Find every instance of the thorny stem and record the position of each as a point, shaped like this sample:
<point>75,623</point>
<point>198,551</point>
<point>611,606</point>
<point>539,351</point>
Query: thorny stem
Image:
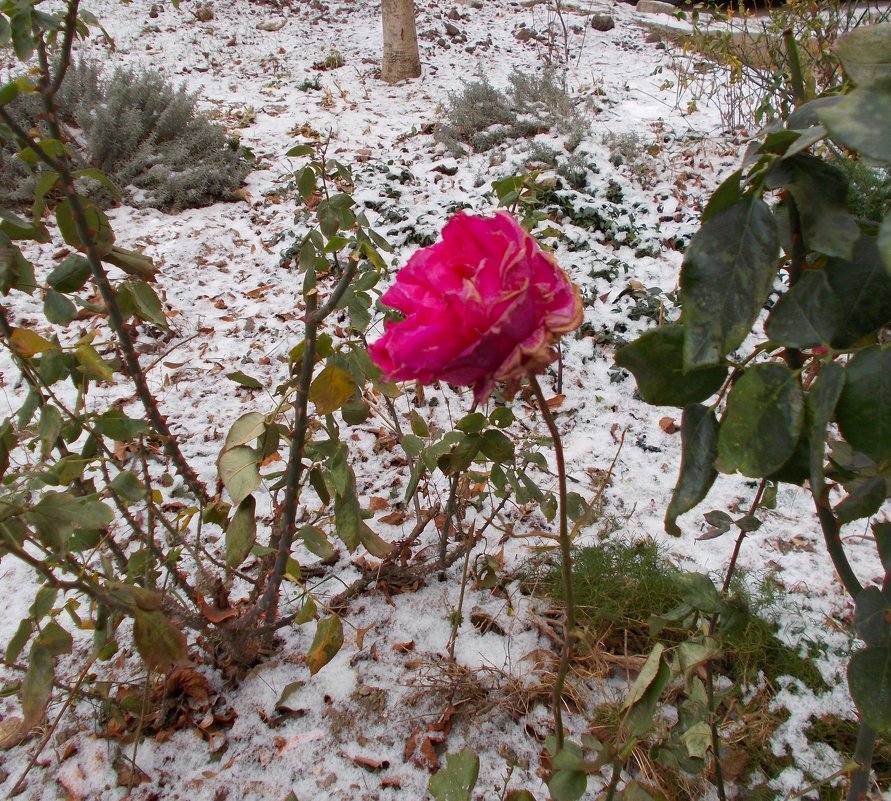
<point>459,610</point>
<point>283,538</point>
<point>566,563</point>
<point>614,781</point>
<point>447,524</point>
<point>863,750</point>
<point>832,537</point>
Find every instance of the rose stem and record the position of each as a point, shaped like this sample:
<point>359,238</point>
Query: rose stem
<point>566,560</point>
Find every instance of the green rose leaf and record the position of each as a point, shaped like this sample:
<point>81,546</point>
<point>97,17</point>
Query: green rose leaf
<point>727,274</point>
<point>57,308</point>
<point>865,499</point>
<point>869,679</point>
<point>325,644</point>
<point>244,380</point>
<point>864,408</point>
<point>496,446</point>
<point>239,471</point>
<point>871,617</point>
<point>70,274</point>
<point>806,315</point>
<point>98,226</point>
<point>656,359</point>
<point>568,785</point>
<point>863,291</point>
<point>455,782</point>
<point>128,486</point>
<point>331,388</point>
<point>699,449</point>
<point>146,303</point>
<point>762,423</point>
<point>37,686</point>
<point>116,425</point>
<point>861,121</point>
<point>643,699</point>
<point>16,272</point>
<point>820,404</point>
<point>820,191</point>
<point>241,533</point>
<point>316,542</point>
<point>348,515</point>
<point>865,53</point>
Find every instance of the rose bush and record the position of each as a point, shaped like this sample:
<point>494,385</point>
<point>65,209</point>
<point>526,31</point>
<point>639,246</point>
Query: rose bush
<point>485,304</point>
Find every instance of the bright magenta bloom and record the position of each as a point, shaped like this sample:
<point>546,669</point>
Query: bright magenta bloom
<point>485,304</point>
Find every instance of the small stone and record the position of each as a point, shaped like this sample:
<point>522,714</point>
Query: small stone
<point>454,14</point>
<point>154,11</point>
<point>452,30</point>
<point>603,22</point>
<point>652,37</point>
<point>654,7</point>
<point>525,34</point>
<point>446,167</point>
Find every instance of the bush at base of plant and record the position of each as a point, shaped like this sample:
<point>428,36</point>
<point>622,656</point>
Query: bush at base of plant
<point>145,134</point>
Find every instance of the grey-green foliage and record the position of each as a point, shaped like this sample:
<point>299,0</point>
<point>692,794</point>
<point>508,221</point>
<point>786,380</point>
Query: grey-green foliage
<point>483,117</point>
<point>142,132</point>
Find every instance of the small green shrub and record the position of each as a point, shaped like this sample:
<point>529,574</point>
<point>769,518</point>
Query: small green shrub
<point>142,132</point>
<point>619,587</point>
<point>483,117</point>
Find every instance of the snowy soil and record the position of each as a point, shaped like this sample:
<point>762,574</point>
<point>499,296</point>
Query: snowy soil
<point>234,305</point>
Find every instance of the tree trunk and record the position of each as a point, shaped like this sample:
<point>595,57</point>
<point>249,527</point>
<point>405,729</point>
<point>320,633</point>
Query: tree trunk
<point>401,57</point>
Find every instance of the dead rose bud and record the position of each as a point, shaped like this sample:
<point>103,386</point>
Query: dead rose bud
<point>485,304</point>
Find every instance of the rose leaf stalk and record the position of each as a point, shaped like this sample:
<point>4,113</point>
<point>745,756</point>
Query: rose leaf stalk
<point>565,562</point>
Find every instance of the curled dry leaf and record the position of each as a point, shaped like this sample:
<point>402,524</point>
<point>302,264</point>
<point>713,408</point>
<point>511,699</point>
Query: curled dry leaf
<point>668,425</point>
<point>11,733</point>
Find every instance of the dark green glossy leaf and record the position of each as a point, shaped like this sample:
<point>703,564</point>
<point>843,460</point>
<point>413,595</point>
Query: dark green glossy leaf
<point>882,532</point>
<point>863,292</point>
<point>355,411</point>
<point>869,679</point>
<point>864,408</point>
<point>820,191</point>
<point>762,422</point>
<point>821,401</point>
<point>872,617</point>
<point>16,228</point>
<point>699,591</point>
<point>656,359</point>
<point>461,456</point>
<point>17,642</point>
<point>699,449</point>
<point>455,782</point>
<point>326,643</point>
<point>726,277</point>
<point>861,121</point>
<point>728,194</point>
<point>865,499</point>
<point>806,315</point>
<point>241,533</point>
<point>21,32</point>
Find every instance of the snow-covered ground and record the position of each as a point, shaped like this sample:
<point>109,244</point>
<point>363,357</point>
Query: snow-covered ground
<point>234,306</point>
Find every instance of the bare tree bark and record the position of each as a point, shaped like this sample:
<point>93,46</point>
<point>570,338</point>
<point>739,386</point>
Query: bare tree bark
<point>401,57</point>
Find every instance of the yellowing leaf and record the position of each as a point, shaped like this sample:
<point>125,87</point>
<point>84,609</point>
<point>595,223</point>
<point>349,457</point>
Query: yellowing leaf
<point>161,644</point>
<point>239,472</point>
<point>326,643</point>
<point>241,533</point>
<point>28,343</point>
<point>331,389</point>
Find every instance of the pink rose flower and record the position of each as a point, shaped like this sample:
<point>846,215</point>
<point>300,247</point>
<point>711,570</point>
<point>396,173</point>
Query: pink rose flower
<point>485,304</point>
